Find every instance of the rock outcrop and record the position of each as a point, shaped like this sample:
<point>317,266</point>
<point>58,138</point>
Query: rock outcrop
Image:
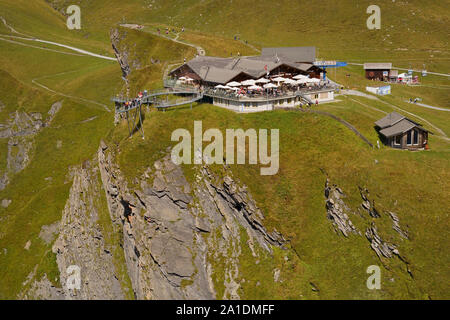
<point>121,55</point>
<point>43,289</point>
<point>338,211</point>
<point>381,248</point>
<point>20,131</point>
<point>396,225</point>
<point>367,205</point>
<point>172,229</point>
<point>81,241</point>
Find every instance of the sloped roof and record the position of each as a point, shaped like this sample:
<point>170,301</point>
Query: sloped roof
<point>400,127</point>
<point>218,75</point>
<point>395,123</point>
<point>378,66</point>
<point>222,70</point>
<point>252,67</point>
<point>391,119</point>
<point>294,54</point>
<point>205,61</point>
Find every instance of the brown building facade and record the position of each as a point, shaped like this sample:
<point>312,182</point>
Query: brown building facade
<point>412,139</point>
<point>377,71</point>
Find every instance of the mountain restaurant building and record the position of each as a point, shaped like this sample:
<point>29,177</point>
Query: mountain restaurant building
<point>212,74</point>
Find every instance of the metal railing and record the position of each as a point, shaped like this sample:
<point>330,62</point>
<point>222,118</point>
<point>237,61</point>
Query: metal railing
<point>219,93</point>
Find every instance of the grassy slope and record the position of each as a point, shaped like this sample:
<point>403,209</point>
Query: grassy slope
<point>37,18</point>
<point>149,56</point>
<point>293,199</point>
<point>218,46</point>
<point>293,202</point>
<point>337,28</point>
<point>35,200</point>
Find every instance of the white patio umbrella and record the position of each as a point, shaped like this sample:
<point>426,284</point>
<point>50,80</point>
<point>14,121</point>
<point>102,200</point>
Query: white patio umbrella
<point>302,81</point>
<point>300,77</point>
<point>233,84</point>
<point>249,82</point>
<point>227,88</point>
<point>262,80</point>
<point>255,87</point>
<point>313,80</point>
<point>270,86</point>
<point>182,78</point>
<point>279,79</point>
<point>290,81</point>
<point>219,86</point>
<point>189,79</point>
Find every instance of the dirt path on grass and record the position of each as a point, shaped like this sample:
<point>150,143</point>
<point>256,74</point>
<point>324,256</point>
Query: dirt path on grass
<point>41,48</point>
<point>83,52</point>
<point>31,38</point>
<point>428,106</point>
<point>35,81</point>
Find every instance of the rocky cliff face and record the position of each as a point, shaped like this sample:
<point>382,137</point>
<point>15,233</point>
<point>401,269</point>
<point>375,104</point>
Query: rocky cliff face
<point>121,55</point>
<point>172,232</point>
<point>20,131</point>
<point>172,229</point>
<point>81,241</point>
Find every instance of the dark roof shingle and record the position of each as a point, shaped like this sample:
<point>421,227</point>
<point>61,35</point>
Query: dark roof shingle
<point>391,119</point>
<point>222,70</point>
<point>394,124</point>
<point>400,127</point>
<point>378,66</point>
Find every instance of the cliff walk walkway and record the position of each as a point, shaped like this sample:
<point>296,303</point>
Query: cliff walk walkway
<point>124,104</point>
<point>131,108</point>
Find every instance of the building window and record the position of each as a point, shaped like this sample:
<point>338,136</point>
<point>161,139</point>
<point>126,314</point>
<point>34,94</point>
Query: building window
<point>409,138</point>
<point>398,140</point>
<point>415,137</point>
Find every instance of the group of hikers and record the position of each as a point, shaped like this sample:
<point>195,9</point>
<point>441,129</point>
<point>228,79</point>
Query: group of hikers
<point>130,104</point>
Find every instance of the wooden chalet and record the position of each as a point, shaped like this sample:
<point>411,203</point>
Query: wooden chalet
<point>399,132</point>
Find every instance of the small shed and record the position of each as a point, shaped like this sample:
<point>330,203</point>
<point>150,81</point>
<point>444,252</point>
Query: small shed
<point>377,71</point>
<point>402,133</point>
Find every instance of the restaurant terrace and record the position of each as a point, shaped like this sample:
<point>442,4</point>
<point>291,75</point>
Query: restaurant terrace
<point>278,78</point>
